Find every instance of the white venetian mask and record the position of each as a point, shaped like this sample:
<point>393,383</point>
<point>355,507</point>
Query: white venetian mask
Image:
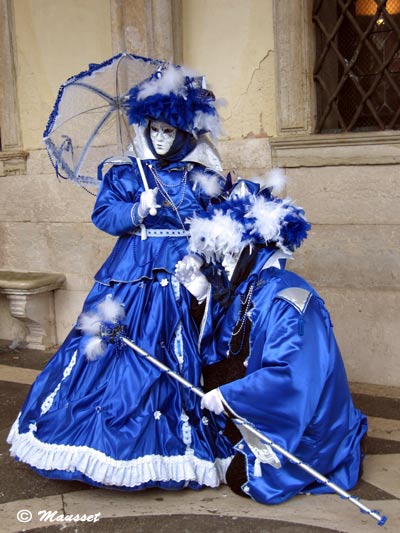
<point>162,136</point>
<point>229,263</point>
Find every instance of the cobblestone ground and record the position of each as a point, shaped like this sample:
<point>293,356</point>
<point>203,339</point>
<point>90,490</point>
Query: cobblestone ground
<point>26,497</point>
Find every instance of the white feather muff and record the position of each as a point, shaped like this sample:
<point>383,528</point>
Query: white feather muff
<point>216,237</point>
<point>200,230</point>
<point>228,235</point>
<point>94,348</point>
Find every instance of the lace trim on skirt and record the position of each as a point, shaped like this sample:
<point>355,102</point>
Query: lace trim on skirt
<point>108,471</point>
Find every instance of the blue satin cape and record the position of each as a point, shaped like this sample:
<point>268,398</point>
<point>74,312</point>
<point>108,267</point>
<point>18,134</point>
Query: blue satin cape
<point>295,389</point>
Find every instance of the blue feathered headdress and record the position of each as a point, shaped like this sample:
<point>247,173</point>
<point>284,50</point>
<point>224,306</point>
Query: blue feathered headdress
<point>249,215</point>
<point>174,95</point>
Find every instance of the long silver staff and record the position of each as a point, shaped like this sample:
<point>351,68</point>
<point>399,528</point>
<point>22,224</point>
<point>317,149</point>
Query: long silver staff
<point>381,519</point>
<point>105,326</point>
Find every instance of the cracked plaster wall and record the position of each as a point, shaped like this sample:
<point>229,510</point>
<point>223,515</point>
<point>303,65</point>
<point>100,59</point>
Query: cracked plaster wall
<point>233,46</point>
<point>45,223</point>
<point>48,53</point>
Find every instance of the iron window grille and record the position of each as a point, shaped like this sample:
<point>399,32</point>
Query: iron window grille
<point>357,66</point>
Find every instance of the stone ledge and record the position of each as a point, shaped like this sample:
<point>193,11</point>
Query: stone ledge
<point>378,401</point>
<point>13,162</point>
<point>30,297</point>
<point>31,282</point>
<point>370,389</point>
<point>321,150</point>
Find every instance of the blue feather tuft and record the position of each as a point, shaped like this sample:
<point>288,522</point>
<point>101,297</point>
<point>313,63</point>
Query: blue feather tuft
<point>185,105</point>
<point>255,216</point>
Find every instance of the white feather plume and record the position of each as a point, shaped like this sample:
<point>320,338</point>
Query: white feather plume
<point>268,219</point>
<point>276,179</point>
<point>208,122</point>
<point>210,184</point>
<point>110,310</point>
<point>89,323</point>
<point>94,348</point>
<point>171,80</point>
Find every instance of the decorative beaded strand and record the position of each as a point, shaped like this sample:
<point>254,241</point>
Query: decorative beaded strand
<point>160,185</point>
<point>241,321</point>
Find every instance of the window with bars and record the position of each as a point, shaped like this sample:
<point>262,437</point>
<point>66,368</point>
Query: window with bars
<point>357,66</point>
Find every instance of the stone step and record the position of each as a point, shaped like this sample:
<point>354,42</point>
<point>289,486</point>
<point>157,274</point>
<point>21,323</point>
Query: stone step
<point>377,400</point>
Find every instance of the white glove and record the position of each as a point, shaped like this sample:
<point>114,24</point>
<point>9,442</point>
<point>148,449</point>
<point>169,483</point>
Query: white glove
<point>187,272</point>
<point>188,268</point>
<point>212,401</point>
<point>148,203</point>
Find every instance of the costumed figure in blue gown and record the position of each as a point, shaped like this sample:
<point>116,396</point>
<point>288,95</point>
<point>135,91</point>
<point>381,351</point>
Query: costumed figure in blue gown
<point>110,418</point>
<point>274,361</point>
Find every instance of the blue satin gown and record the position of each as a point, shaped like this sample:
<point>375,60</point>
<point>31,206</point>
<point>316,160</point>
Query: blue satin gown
<point>118,421</point>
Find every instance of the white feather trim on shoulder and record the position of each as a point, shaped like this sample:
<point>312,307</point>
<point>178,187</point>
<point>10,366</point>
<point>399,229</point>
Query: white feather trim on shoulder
<point>209,183</point>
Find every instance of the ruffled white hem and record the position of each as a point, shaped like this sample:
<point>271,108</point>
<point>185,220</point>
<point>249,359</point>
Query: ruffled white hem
<point>108,471</point>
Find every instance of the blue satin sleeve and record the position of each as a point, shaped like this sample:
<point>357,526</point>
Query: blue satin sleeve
<point>216,329</point>
<point>115,210</point>
<point>209,329</point>
<point>287,369</point>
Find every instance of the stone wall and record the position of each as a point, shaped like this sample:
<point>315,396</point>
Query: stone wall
<point>352,254</point>
<point>353,258</point>
<point>348,184</point>
<point>45,225</point>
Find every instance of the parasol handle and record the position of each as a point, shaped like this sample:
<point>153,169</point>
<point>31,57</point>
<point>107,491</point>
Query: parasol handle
<point>153,210</point>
